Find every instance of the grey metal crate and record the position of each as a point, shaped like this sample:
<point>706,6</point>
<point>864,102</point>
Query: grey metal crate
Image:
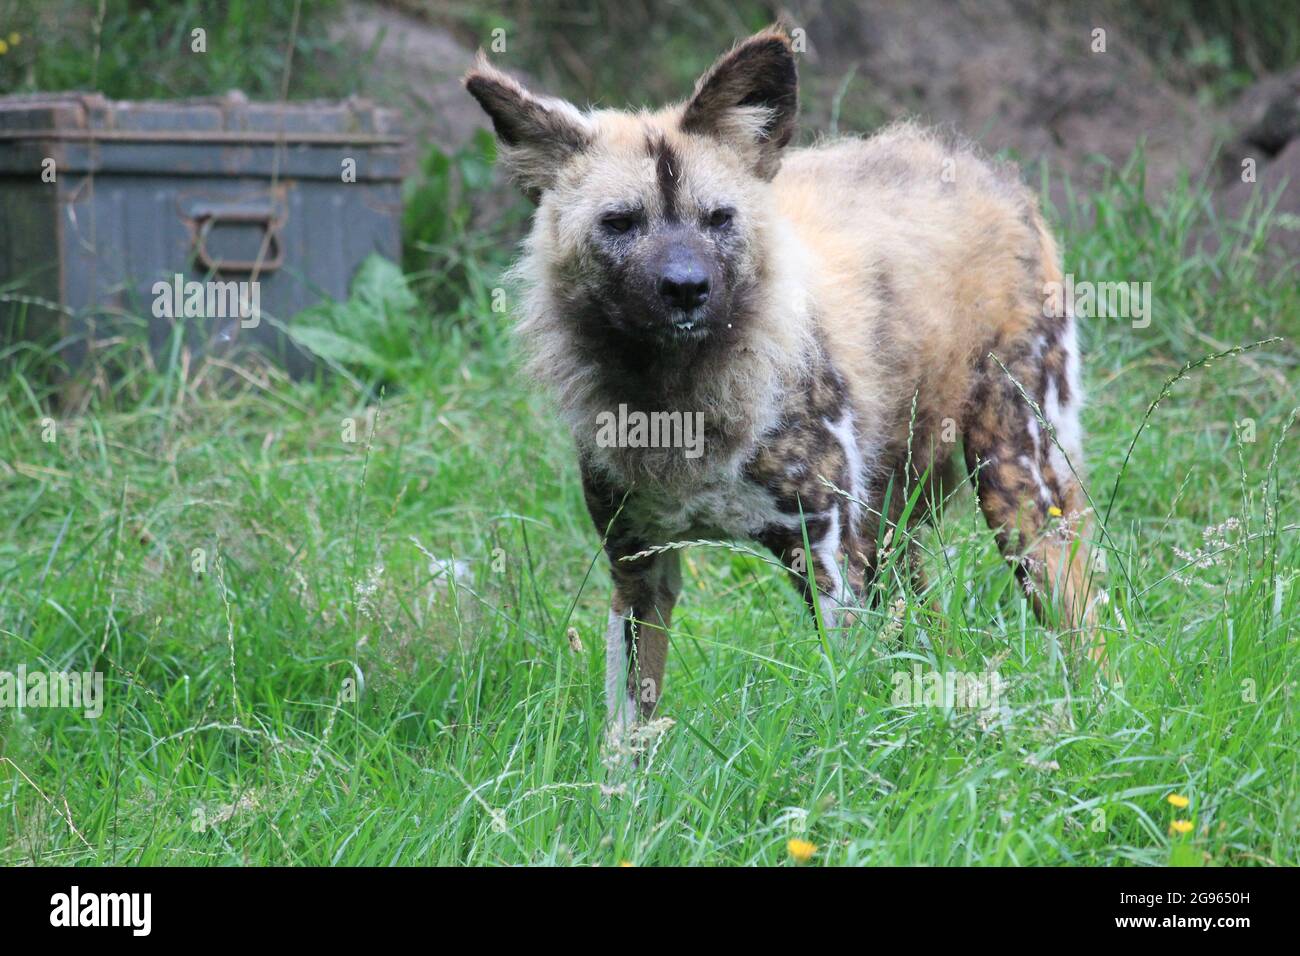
<point>214,189</point>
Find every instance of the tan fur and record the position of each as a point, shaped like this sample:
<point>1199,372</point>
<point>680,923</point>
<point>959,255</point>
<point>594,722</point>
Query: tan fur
<point>930,258</point>
<point>915,275</point>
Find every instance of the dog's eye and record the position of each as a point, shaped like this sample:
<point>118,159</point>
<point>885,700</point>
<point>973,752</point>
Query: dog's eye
<point>618,222</point>
<point>720,218</point>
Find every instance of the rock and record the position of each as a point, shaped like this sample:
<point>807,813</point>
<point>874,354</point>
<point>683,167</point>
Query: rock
<point>1019,81</point>
<point>416,69</point>
<point>1231,201</point>
<point>1261,123</point>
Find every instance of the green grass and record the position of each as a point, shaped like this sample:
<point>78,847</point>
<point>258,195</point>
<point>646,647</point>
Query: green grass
<point>322,693</point>
<point>147,49</point>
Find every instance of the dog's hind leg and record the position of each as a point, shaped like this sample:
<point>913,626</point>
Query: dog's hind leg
<point>1022,442</point>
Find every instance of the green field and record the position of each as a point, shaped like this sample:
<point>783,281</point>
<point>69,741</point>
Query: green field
<point>325,690</point>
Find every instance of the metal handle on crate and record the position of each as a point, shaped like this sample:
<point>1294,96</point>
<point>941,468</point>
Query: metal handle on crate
<point>203,222</point>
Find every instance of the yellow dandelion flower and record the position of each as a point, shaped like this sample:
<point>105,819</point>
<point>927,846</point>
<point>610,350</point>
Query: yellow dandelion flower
<point>4,48</point>
<point>801,851</point>
<point>1054,511</point>
<point>1178,800</point>
<point>1180,827</point>
<point>626,863</point>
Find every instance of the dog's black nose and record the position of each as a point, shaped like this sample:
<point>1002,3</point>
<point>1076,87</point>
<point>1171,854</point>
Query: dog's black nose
<point>684,285</point>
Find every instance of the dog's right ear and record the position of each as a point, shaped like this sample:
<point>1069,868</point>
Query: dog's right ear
<point>538,134</point>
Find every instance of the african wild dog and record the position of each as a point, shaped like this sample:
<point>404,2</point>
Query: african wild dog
<point>831,311</point>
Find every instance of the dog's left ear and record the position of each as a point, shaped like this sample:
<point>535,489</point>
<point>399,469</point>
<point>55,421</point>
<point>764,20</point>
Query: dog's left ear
<point>749,99</point>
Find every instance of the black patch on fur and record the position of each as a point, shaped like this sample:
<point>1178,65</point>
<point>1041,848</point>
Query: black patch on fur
<point>668,173</point>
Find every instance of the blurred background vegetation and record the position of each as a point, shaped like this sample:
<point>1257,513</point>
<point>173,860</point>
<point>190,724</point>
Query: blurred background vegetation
<point>141,49</point>
<point>1032,91</point>
<point>630,51</point>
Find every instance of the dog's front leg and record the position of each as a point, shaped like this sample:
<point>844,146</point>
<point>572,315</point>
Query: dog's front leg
<point>636,641</point>
<point>645,590</point>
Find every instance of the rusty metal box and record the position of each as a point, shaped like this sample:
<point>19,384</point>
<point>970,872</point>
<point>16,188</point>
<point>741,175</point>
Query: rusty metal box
<point>108,209</point>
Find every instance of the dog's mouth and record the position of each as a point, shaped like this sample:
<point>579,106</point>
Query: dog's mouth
<point>688,325</point>
<point>659,328</point>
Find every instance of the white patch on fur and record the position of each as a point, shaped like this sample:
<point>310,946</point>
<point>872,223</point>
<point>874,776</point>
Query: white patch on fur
<point>845,433</point>
<point>832,594</point>
<point>1064,416</point>
<point>1031,464</point>
<point>620,708</point>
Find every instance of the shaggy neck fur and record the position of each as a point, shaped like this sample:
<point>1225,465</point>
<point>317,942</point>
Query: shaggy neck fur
<point>737,379</point>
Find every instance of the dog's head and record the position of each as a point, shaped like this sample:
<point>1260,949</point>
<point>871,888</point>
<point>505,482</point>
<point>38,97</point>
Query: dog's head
<point>650,227</point>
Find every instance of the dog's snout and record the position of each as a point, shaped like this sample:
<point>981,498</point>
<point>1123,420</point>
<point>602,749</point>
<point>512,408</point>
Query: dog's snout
<point>684,283</point>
